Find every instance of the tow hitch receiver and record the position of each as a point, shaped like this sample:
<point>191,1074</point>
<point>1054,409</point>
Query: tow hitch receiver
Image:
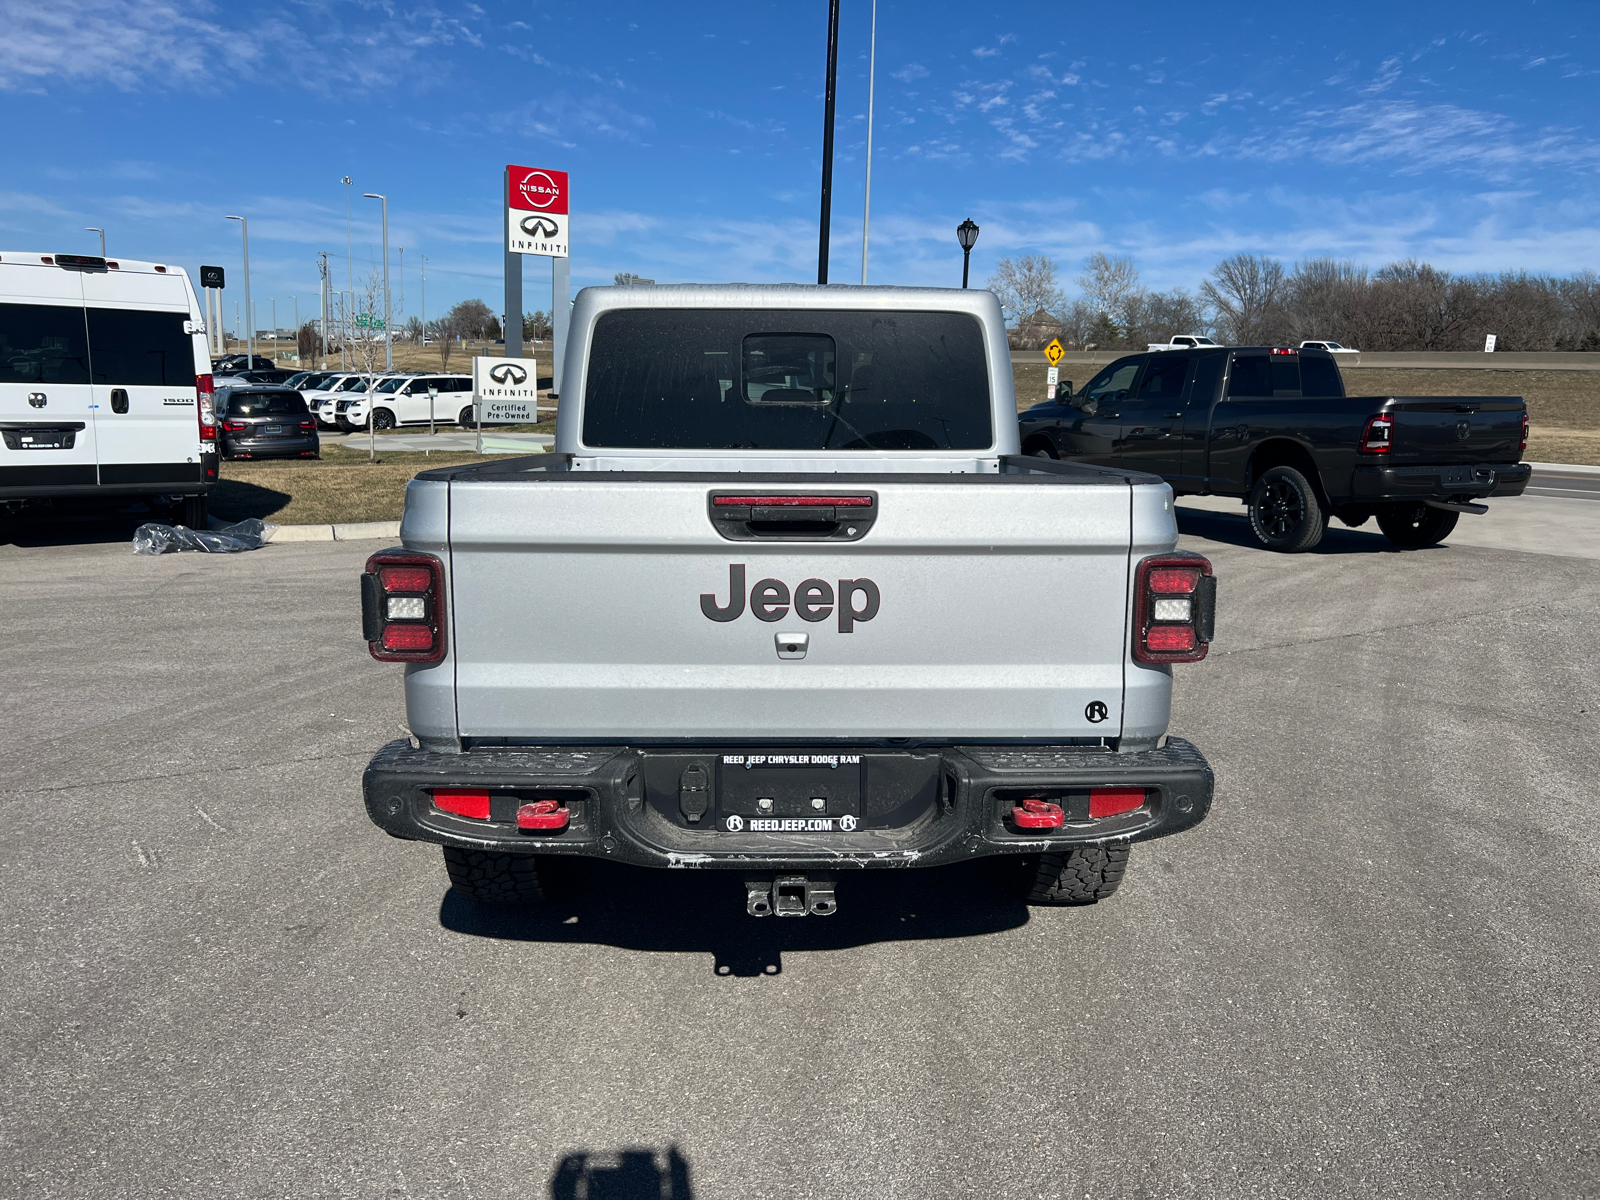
<point>790,896</point>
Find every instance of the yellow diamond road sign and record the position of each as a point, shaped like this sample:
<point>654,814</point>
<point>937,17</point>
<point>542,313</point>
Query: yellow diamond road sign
<point>1054,351</point>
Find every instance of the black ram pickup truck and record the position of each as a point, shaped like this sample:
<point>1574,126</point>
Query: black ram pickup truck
<point>1272,425</point>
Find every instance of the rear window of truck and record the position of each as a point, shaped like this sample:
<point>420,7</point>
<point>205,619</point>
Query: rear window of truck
<point>707,379</point>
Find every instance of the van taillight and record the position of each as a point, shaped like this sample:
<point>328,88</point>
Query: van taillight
<point>402,607</point>
<point>1175,608</point>
<point>1521,449</point>
<point>205,407</point>
<point>1378,435</point>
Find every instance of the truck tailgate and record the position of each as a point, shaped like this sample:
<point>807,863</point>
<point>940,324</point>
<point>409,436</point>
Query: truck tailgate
<point>1462,429</point>
<point>576,611</point>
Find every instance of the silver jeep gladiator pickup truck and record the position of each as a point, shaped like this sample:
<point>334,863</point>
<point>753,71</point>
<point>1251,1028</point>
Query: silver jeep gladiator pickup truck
<point>787,600</point>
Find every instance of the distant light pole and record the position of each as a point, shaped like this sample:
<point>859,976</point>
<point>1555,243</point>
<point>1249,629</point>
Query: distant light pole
<point>388,339</point>
<point>102,233</point>
<point>250,333</point>
<point>424,297</point>
<point>866,207</point>
<point>827,140</point>
<point>967,235</point>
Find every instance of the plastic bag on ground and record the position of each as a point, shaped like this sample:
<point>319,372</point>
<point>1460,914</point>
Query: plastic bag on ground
<point>152,538</point>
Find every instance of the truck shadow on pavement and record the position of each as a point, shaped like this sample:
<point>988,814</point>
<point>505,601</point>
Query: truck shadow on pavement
<point>1234,530</point>
<point>76,529</point>
<point>634,1173</point>
<point>633,908</point>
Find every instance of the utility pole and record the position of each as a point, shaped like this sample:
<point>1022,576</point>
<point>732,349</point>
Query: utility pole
<point>388,333</point>
<point>866,207</point>
<point>250,334</point>
<point>424,295</point>
<point>274,331</point>
<point>402,309</point>
<point>827,140</point>
<point>322,297</point>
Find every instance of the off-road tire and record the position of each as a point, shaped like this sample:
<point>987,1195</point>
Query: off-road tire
<point>1040,452</point>
<point>1082,875</point>
<point>494,880</point>
<point>1416,525</point>
<point>195,511</point>
<point>382,419</point>
<point>1285,513</point>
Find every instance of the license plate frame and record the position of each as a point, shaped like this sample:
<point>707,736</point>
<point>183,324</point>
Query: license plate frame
<point>779,791</point>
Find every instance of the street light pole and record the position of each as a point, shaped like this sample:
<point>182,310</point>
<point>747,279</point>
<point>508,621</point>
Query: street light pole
<point>388,339</point>
<point>866,207</point>
<point>102,233</point>
<point>250,333</point>
<point>827,140</point>
<point>967,235</point>
<point>424,297</point>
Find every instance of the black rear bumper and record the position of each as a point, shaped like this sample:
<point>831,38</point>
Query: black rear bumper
<point>1468,481</point>
<point>923,806</point>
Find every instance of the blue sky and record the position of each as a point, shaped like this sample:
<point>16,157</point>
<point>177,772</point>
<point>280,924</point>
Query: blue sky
<point>1465,134</point>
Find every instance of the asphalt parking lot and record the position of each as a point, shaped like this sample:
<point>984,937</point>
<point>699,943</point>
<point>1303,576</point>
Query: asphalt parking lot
<point>1374,971</point>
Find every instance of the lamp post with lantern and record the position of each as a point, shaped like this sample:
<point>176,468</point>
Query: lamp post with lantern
<point>967,235</point>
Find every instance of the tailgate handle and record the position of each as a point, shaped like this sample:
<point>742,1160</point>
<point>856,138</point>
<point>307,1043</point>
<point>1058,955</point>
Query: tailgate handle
<point>793,516</point>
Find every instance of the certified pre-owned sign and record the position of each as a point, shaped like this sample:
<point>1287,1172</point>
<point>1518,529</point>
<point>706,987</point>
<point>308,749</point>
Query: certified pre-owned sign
<point>507,388</point>
<point>536,211</point>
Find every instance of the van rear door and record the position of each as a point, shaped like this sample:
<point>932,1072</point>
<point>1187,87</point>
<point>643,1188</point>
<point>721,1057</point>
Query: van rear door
<point>144,378</point>
<point>47,424</point>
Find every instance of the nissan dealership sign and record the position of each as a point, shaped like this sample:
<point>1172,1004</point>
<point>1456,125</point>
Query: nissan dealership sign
<point>536,211</point>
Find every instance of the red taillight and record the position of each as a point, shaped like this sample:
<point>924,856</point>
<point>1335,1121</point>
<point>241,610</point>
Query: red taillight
<point>1174,609</point>
<point>402,607</point>
<point>464,802</point>
<point>1378,435</point>
<point>1174,581</point>
<point>1524,445</point>
<point>794,501</point>
<point>405,579</point>
<point>205,407</point>
<point>1169,639</point>
<point>234,426</point>
<point>1284,350</point>
<point>1108,802</point>
<point>308,425</point>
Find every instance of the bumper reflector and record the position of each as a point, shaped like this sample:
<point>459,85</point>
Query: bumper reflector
<point>464,802</point>
<point>1108,802</point>
<point>543,815</point>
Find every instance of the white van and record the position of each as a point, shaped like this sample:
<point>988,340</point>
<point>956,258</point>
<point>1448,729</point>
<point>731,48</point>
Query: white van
<point>105,383</point>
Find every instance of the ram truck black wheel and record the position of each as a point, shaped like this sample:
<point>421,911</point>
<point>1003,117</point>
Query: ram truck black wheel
<point>1082,875</point>
<point>494,880</point>
<point>1285,513</point>
<point>1416,525</point>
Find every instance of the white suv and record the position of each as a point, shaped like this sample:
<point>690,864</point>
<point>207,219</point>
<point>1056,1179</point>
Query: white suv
<point>403,400</point>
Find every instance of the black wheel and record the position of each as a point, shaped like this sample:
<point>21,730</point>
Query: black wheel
<point>1285,513</point>
<point>1040,452</point>
<point>1414,525</point>
<point>382,419</point>
<point>497,880</point>
<point>195,512</point>
<point>1082,875</point>
<point>465,419</point>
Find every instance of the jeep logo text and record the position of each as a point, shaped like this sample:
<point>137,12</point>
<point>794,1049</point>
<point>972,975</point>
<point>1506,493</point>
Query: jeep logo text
<point>813,600</point>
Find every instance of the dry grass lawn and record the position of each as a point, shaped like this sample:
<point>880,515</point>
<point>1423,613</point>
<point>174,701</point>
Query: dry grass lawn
<point>342,486</point>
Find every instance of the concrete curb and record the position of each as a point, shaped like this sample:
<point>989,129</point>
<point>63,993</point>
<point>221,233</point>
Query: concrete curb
<point>1576,468</point>
<point>355,531</point>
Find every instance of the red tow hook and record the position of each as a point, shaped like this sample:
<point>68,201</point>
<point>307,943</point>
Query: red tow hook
<point>543,815</point>
<point>1034,813</point>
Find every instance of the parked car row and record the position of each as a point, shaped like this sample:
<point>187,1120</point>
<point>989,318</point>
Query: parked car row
<point>339,399</point>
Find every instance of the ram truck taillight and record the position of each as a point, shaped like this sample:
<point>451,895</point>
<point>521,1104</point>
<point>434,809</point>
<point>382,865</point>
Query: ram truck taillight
<point>402,607</point>
<point>1378,435</point>
<point>1522,449</point>
<point>205,407</point>
<point>1175,608</point>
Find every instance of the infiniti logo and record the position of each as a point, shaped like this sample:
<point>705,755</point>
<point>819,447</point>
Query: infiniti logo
<point>539,227</point>
<point>508,373</point>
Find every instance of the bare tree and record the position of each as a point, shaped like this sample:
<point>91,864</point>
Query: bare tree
<point>1157,316</point>
<point>536,325</point>
<point>309,343</point>
<point>1246,291</point>
<point>413,330</point>
<point>366,342</point>
<point>1026,287</point>
<point>1111,282</point>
